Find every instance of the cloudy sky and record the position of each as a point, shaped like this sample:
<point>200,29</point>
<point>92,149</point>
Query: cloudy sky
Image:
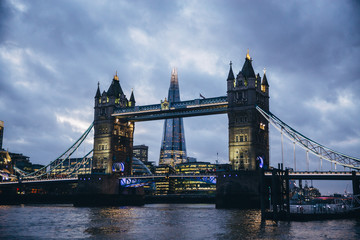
<point>53,54</point>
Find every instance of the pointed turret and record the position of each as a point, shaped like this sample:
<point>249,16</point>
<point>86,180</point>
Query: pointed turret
<point>248,70</point>
<point>115,88</point>
<point>98,94</point>
<point>231,73</point>
<point>265,84</point>
<point>264,80</point>
<point>132,99</point>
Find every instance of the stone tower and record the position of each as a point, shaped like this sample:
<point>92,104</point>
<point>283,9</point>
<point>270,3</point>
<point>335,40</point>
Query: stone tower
<point>248,130</point>
<point>113,138</point>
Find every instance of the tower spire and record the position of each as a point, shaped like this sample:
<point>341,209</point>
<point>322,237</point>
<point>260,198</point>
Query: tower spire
<point>98,94</point>
<point>247,69</point>
<point>116,76</point>
<point>231,73</point>
<point>248,55</point>
<point>132,98</point>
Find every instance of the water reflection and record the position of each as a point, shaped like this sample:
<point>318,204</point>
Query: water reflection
<point>178,221</point>
<point>160,221</point>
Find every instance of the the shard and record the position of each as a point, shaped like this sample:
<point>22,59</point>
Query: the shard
<point>173,149</point>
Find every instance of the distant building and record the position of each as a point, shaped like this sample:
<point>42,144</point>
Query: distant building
<point>150,166</point>
<point>141,152</point>
<point>173,149</point>
<point>167,185</point>
<point>191,159</point>
<point>139,168</point>
<point>22,162</point>
<point>72,165</point>
<point>1,133</point>
<point>195,168</point>
<point>37,167</point>
<point>5,162</point>
<point>195,186</point>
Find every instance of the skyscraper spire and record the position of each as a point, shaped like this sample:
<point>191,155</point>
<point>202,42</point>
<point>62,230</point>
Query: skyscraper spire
<point>173,149</point>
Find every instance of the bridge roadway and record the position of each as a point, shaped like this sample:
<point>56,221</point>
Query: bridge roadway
<point>305,175</point>
<point>196,107</point>
<point>50,180</point>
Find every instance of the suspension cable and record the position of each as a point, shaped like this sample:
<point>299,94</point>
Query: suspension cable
<point>310,145</point>
<point>60,160</point>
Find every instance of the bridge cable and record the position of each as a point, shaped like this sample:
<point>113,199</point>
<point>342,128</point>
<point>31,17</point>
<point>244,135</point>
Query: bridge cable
<point>58,161</point>
<point>310,145</point>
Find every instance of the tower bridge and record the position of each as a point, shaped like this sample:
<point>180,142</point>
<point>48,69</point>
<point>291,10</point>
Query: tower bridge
<point>246,105</point>
<point>115,117</point>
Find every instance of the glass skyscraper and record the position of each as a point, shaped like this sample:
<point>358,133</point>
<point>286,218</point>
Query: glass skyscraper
<point>173,149</point>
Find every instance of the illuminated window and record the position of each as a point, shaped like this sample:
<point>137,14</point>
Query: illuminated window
<point>263,89</point>
<point>107,99</point>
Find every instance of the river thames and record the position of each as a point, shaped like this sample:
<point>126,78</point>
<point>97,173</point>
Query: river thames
<point>160,221</point>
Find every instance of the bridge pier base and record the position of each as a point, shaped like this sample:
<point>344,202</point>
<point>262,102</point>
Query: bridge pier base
<point>238,189</point>
<point>104,190</point>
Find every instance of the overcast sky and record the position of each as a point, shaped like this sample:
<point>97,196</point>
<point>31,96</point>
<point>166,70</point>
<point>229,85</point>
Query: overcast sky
<point>53,54</point>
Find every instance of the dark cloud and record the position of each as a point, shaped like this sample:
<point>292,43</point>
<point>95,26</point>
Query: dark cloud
<point>53,53</point>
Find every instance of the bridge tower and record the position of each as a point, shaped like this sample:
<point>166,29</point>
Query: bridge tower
<point>113,138</point>
<point>248,130</point>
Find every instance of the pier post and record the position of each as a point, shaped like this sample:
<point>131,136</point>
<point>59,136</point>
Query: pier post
<point>356,188</point>
<point>262,193</point>
<point>274,193</point>
<point>355,183</point>
<point>287,194</point>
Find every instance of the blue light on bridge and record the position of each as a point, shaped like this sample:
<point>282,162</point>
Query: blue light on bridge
<point>118,167</point>
<point>261,161</point>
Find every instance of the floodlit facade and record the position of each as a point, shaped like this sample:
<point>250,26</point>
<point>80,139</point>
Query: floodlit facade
<point>173,149</point>
<point>113,139</point>
<point>248,129</point>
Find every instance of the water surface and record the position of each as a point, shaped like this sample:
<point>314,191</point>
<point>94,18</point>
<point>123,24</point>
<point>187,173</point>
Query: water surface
<point>160,221</point>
